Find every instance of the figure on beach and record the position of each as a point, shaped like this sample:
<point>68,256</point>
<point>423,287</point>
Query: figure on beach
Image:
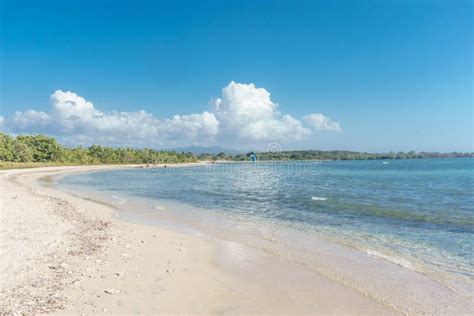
<point>252,156</point>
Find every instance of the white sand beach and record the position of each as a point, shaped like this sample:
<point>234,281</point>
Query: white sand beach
<point>61,253</point>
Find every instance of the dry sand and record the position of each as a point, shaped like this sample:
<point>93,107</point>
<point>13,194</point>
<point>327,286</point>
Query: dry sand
<point>61,253</point>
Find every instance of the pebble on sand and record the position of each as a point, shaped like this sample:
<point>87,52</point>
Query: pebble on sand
<point>112,291</point>
<point>120,274</point>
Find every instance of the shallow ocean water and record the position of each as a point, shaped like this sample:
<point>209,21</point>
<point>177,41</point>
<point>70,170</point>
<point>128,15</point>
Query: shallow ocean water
<point>415,213</point>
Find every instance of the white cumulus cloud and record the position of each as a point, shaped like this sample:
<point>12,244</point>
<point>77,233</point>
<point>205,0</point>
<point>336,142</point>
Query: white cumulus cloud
<point>247,113</point>
<point>78,121</point>
<point>320,122</point>
<point>31,118</point>
<point>243,115</point>
<point>194,126</point>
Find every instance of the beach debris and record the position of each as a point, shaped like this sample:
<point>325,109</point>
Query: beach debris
<point>169,271</point>
<point>62,265</point>
<point>112,291</point>
<point>181,249</point>
<point>120,274</point>
<point>86,237</point>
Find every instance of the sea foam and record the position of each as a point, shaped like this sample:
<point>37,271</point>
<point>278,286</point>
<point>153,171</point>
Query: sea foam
<point>397,260</point>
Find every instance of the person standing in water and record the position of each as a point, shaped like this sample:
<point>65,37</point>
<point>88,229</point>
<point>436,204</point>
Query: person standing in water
<point>252,156</point>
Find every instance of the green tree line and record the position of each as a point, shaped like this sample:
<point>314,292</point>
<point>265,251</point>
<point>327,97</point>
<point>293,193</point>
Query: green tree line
<point>44,149</point>
<point>40,148</point>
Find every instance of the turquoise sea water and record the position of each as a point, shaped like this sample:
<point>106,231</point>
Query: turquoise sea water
<point>416,213</point>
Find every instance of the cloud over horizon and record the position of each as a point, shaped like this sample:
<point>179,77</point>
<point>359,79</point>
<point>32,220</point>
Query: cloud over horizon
<point>243,115</point>
<point>248,114</point>
<point>320,122</point>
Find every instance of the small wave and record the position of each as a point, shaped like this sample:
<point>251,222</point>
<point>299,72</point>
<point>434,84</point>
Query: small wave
<point>463,222</point>
<point>385,162</point>
<point>397,260</point>
<point>119,200</point>
<point>317,198</point>
<point>159,208</point>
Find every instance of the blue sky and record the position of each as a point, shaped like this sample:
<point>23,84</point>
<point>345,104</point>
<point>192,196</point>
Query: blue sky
<point>394,75</point>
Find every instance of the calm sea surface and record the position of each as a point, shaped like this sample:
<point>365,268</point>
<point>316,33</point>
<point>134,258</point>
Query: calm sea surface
<point>412,212</point>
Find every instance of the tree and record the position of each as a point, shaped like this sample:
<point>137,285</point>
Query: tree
<point>43,148</point>
<point>6,147</point>
<point>22,152</point>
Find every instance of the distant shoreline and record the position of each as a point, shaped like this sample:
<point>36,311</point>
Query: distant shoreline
<point>8,165</point>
